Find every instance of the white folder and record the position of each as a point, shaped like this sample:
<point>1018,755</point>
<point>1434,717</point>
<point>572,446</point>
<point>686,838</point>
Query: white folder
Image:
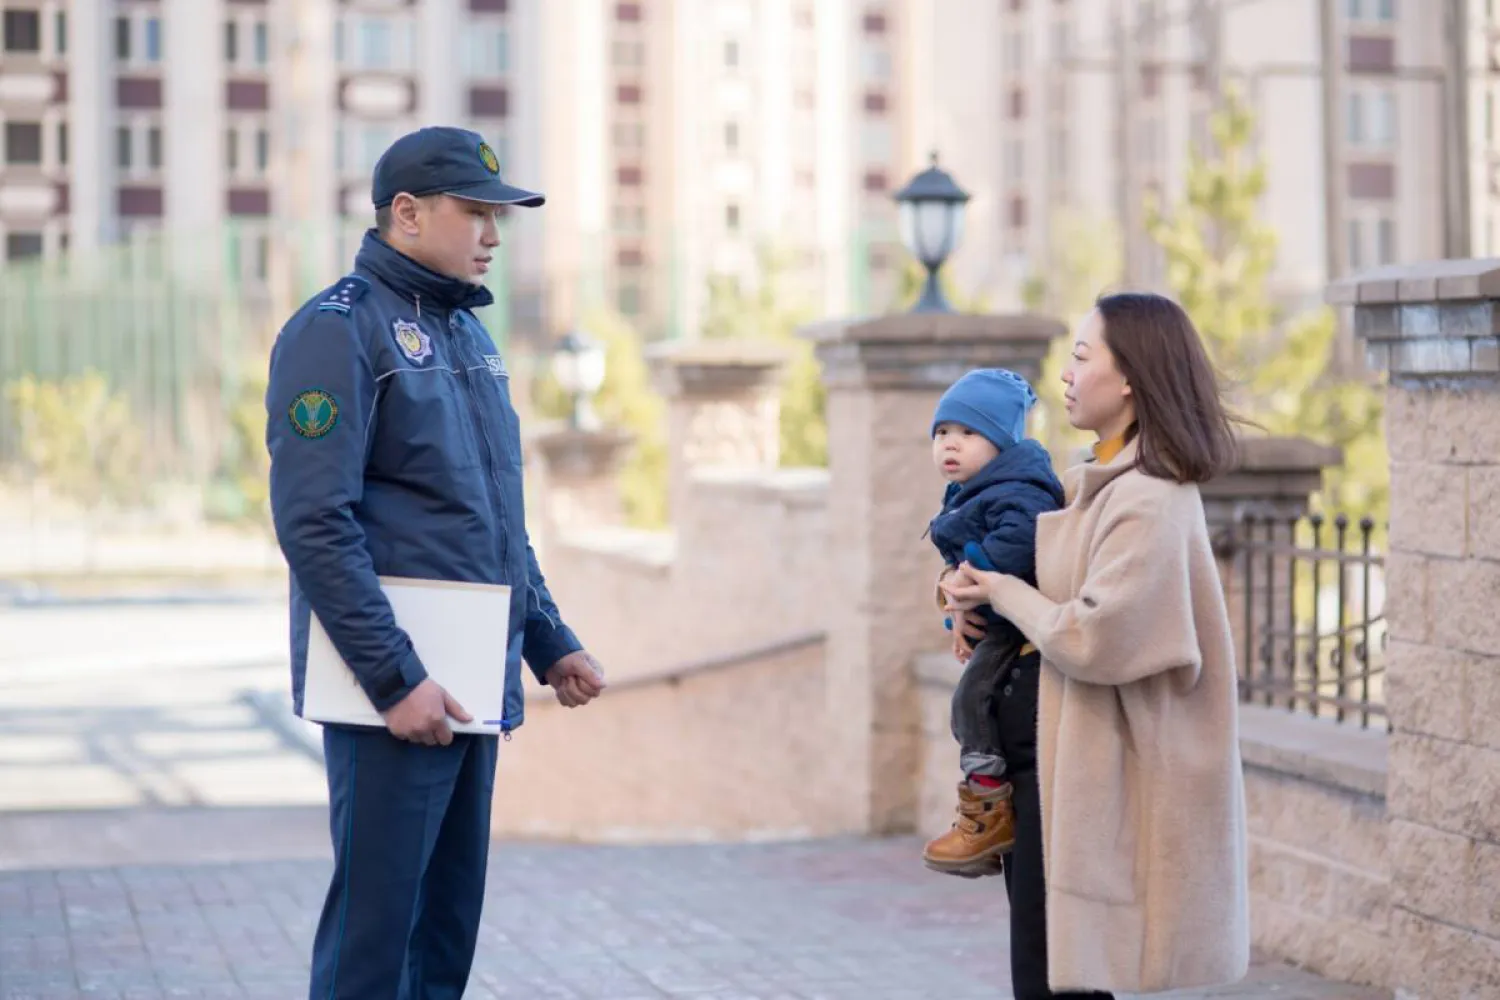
<point>460,632</point>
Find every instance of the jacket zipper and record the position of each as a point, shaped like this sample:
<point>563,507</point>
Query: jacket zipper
<point>484,436</point>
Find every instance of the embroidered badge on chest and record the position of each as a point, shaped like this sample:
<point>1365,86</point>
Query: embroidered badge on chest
<point>496,364</point>
<point>415,343</point>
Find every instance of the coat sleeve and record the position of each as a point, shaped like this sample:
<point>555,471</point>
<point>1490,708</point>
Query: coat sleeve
<point>320,404</point>
<point>546,639</point>
<point>1133,616</point>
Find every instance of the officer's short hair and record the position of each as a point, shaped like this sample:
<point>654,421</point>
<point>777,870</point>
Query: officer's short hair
<point>383,219</point>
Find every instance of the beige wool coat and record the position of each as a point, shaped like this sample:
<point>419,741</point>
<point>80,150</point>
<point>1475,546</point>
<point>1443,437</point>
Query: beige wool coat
<point>1142,796</point>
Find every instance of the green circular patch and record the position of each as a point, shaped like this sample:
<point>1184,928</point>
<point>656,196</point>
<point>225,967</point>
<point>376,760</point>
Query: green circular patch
<point>313,413</point>
<point>488,158</point>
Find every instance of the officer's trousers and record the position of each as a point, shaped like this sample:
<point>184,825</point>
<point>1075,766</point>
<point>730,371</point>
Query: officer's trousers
<point>411,832</point>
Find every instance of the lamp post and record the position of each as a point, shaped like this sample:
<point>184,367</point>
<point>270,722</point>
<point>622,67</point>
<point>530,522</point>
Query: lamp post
<point>932,222</point>
<point>578,366</point>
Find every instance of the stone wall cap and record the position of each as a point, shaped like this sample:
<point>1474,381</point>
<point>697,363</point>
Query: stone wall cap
<point>936,328</point>
<point>1285,454</point>
<point>561,435</point>
<point>1423,281</point>
<point>715,352</point>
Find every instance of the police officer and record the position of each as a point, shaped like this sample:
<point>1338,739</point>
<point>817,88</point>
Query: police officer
<point>395,451</point>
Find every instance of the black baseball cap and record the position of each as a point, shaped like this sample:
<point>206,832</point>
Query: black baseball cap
<point>441,159</point>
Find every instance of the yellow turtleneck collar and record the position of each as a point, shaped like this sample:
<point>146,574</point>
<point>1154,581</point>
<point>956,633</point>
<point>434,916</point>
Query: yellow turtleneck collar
<point>1105,451</point>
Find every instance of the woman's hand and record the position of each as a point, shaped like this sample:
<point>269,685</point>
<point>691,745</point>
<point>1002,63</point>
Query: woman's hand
<point>970,588</point>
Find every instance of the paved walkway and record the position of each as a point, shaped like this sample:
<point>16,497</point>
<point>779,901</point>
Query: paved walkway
<point>162,834</point>
<point>830,920</point>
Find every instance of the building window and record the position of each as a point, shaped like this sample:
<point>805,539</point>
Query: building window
<point>23,31</point>
<point>1015,161</point>
<point>629,54</point>
<point>876,146</point>
<point>262,150</point>
<point>232,150</point>
<point>23,143</point>
<point>732,218</point>
<point>732,54</point>
<point>378,43</point>
<point>122,39</point>
<point>21,246</point>
<point>1371,10</point>
<point>1062,38</point>
<point>62,144</point>
<point>732,137</point>
<point>375,50</point>
<point>630,299</point>
<point>1015,51</point>
<point>153,148</point>
<point>1018,212</point>
<point>1370,118</point>
<point>262,43</point>
<point>60,32</point>
<point>630,220</point>
<point>629,135</point>
<point>153,39</point>
<point>1385,242</point>
<point>231,42</point>
<point>123,144</point>
<point>489,50</point>
<point>1356,245</point>
<point>877,65</point>
<point>373,141</point>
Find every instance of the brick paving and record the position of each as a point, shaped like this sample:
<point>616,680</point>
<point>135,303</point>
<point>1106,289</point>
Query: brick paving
<point>830,920</point>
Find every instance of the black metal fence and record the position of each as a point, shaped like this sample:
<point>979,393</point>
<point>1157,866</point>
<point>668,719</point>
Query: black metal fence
<point>1313,616</point>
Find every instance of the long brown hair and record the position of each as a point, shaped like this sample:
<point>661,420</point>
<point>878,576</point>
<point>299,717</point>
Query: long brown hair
<point>1186,433</point>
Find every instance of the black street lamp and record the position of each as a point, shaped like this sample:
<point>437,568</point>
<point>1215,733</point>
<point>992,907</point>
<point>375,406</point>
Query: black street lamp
<point>578,366</point>
<point>932,222</point>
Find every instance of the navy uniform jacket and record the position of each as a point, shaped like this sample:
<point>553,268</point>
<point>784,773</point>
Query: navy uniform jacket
<point>395,451</point>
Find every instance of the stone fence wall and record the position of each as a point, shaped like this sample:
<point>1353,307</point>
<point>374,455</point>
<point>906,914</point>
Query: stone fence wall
<point>848,733</point>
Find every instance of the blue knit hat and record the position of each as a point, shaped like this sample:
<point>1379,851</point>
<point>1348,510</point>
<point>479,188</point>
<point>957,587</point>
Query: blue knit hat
<point>989,401</point>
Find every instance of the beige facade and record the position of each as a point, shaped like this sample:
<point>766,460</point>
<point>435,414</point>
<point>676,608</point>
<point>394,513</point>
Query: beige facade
<point>1038,107</point>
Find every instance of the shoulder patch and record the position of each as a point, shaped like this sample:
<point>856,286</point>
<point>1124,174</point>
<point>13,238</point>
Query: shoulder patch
<point>344,294</point>
<point>313,413</point>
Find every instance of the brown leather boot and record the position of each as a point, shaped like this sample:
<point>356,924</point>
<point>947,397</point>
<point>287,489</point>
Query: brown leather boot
<point>984,830</point>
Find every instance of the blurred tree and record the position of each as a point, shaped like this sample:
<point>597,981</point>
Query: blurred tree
<point>1219,257</point>
<point>1084,260</point>
<point>80,438</point>
<point>773,311</point>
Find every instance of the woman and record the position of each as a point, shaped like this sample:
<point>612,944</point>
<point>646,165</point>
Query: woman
<point>1136,846</point>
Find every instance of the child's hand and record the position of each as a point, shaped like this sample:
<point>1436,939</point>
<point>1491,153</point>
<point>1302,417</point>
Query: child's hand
<point>966,625</point>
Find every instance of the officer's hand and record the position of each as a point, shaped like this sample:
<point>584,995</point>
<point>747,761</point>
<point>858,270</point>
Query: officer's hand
<point>422,716</point>
<point>577,678</point>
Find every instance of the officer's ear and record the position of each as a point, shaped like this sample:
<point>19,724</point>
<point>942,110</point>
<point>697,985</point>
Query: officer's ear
<point>406,213</point>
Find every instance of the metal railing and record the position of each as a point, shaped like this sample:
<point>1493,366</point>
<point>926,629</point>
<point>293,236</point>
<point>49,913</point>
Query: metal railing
<point>1313,615</point>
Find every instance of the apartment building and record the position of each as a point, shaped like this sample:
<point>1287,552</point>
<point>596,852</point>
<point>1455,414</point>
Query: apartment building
<point>692,139</point>
<point>1088,104</point>
<point>246,129</point>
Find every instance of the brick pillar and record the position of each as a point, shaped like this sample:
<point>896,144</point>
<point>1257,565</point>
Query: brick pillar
<point>1275,478</point>
<point>884,377</point>
<point>723,407</point>
<point>1435,328</point>
<point>578,476</point>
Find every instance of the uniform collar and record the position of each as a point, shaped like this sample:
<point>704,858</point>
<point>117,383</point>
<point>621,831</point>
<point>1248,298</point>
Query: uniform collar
<point>416,281</point>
